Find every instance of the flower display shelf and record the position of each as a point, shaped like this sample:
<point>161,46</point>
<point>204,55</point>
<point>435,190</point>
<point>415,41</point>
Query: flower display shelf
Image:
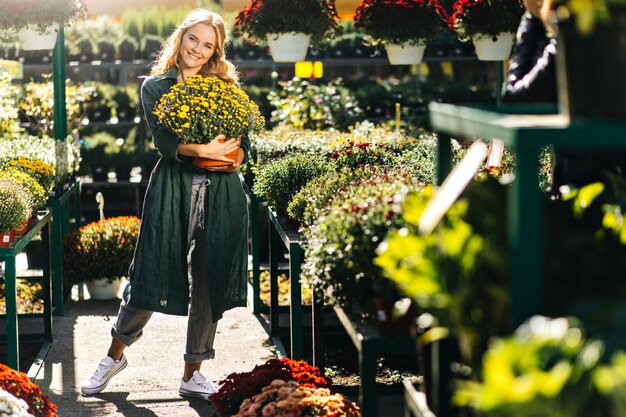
<point>59,203</point>
<point>524,134</point>
<point>370,345</point>
<point>282,236</point>
<point>8,255</point>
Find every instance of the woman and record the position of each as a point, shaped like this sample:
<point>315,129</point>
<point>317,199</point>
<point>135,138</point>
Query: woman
<point>531,78</point>
<point>185,208</point>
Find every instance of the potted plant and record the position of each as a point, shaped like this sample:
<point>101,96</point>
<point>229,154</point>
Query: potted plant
<point>100,253</point>
<point>287,26</point>
<point>14,209</point>
<point>490,24</point>
<point>402,26</point>
<point>37,21</point>
<point>591,41</point>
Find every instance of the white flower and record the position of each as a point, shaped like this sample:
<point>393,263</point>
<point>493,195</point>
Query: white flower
<point>11,406</point>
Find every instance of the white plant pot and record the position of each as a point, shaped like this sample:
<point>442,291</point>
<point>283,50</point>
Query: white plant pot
<point>32,40</point>
<point>288,47</point>
<point>490,48</point>
<point>405,54</point>
<point>103,289</point>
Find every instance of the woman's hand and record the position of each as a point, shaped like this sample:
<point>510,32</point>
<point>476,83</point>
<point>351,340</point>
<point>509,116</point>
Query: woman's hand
<point>545,13</point>
<point>230,168</point>
<point>533,7</point>
<point>213,150</point>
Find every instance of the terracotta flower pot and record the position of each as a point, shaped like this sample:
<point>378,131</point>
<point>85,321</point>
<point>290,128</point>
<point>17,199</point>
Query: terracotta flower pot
<point>24,227</point>
<point>6,238</point>
<point>206,162</point>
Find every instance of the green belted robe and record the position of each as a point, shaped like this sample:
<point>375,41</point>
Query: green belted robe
<point>158,274</point>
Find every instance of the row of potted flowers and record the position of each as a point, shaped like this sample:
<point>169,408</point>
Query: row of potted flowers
<point>359,229</point>
<point>24,188</point>
<point>404,26</point>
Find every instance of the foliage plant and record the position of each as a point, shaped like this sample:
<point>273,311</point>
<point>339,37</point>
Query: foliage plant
<point>341,246</point>
<point>278,181</point>
<point>37,105</point>
<point>319,191</point>
<point>400,21</point>
<point>14,205</point>
<point>289,398</point>
<point>545,369</point>
<point>200,108</point>
<point>587,13</point>
<point>237,387</point>
<point>263,17</point>
<point>352,155</point>
<point>101,249</point>
<point>42,172</point>
<point>37,196</point>
<point>18,14</point>
<point>459,272</point>
<point>588,220</point>
<point>17,384</point>
<point>9,96</point>
<point>305,105</point>
<point>485,17</point>
<point>419,161</point>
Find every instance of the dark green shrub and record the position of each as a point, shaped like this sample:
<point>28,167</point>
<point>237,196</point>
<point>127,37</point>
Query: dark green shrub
<point>128,49</point>
<point>150,45</point>
<point>102,249</point>
<point>341,246</point>
<point>321,190</point>
<point>106,50</point>
<point>420,161</point>
<point>83,50</point>
<point>277,182</point>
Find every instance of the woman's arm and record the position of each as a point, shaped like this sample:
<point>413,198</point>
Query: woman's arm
<point>165,141</point>
<point>212,150</point>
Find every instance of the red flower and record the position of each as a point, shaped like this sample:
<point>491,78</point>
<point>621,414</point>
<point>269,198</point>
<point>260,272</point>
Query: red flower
<point>236,387</point>
<point>399,21</point>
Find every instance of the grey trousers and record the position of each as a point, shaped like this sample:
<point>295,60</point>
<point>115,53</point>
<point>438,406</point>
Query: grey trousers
<point>200,326</point>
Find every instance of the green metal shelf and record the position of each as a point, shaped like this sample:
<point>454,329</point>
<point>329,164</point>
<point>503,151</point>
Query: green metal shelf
<point>525,135</point>
<point>8,255</point>
<point>283,236</point>
<point>60,206</point>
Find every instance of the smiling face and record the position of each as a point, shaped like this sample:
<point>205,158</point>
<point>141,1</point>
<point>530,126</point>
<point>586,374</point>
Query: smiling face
<point>197,47</point>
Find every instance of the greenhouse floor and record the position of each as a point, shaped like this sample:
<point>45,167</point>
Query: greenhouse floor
<point>149,385</point>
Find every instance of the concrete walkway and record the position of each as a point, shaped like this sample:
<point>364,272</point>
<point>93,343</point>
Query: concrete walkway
<point>148,387</point>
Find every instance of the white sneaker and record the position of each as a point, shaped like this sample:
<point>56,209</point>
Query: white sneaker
<point>197,386</point>
<point>107,368</point>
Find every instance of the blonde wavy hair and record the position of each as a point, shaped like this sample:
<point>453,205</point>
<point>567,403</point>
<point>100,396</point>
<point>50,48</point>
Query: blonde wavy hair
<point>217,65</point>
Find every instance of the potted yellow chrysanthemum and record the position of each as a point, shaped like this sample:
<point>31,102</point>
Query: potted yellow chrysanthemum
<point>201,108</point>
